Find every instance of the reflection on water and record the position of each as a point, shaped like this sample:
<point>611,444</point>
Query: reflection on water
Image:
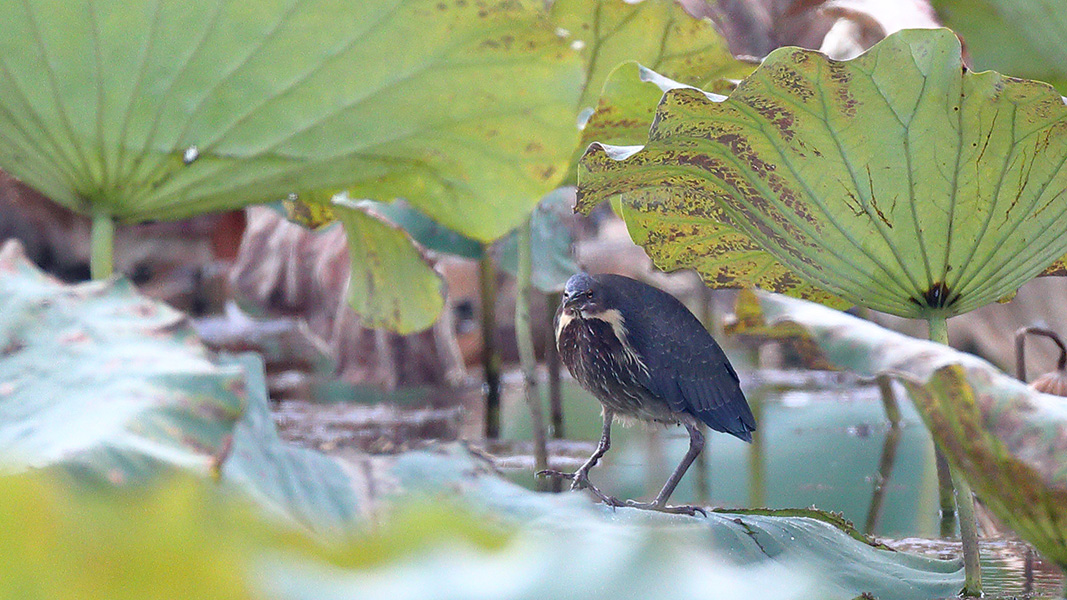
<point>1010,568</point>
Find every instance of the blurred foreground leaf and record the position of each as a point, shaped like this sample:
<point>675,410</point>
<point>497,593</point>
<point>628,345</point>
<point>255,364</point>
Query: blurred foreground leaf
<point>455,531</point>
<point>895,180</point>
<point>65,542</point>
<point>101,382</point>
<point>182,538</point>
<point>105,381</point>
<point>1007,439</point>
<point>571,546</point>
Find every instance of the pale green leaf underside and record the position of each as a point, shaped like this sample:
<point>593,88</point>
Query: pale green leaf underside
<point>723,256</point>
<point>895,180</point>
<point>814,554</point>
<point>628,103</point>
<point>301,484</point>
<point>107,384</point>
<point>465,110</point>
<point>1027,38</point>
<point>392,285</point>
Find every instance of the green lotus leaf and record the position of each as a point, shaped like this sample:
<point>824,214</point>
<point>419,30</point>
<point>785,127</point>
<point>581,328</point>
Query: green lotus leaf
<point>429,233</point>
<point>656,33</point>
<point>896,180</point>
<point>704,239</point>
<point>625,112</point>
<point>1027,38</point>
<point>551,238</point>
<point>1005,437</point>
<point>379,238</point>
<point>627,106</point>
<point>623,116</point>
<point>151,110</point>
<point>628,103</point>
<point>392,284</point>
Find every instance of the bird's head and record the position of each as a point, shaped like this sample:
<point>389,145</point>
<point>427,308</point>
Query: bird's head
<point>584,296</point>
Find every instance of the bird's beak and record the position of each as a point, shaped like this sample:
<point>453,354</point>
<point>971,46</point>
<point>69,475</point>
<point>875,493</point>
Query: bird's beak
<point>570,302</point>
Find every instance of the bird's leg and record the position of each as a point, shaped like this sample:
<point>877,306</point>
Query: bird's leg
<point>580,477</point>
<point>696,444</point>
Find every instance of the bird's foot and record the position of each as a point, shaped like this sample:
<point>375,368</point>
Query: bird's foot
<point>559,475</point>
<point>684,509</point>
<point>580,481</point>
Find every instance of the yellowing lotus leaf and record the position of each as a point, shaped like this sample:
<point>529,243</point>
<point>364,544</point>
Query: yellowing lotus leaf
<point>897,180</point>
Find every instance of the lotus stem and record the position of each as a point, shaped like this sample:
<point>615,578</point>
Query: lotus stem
<point>555,388</point>
<point>102,246</point>
<point>757,467</point>
<point>1020,349</point>
<point>972,585</point>
<point>938,329</point>
<point>490,358</point>
<point>527,357</point>
<point>946,494</point>
<point>889,399</point>
<point>889,451</point>
<point>946,491</point>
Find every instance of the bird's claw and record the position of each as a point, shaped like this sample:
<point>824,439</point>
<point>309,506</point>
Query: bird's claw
<point>554,474</point>
<point>574,477</point>
<point>684,509</point>
<point>580,481</point>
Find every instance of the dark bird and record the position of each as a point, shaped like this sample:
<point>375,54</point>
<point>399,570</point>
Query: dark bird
<point>645,356</point>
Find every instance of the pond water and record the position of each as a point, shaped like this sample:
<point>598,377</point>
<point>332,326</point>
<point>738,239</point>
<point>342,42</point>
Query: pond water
<point>815,447</point>
<point>823,439</point>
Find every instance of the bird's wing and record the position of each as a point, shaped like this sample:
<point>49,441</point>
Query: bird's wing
<point>708,391</point>
<point>688,369</point>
